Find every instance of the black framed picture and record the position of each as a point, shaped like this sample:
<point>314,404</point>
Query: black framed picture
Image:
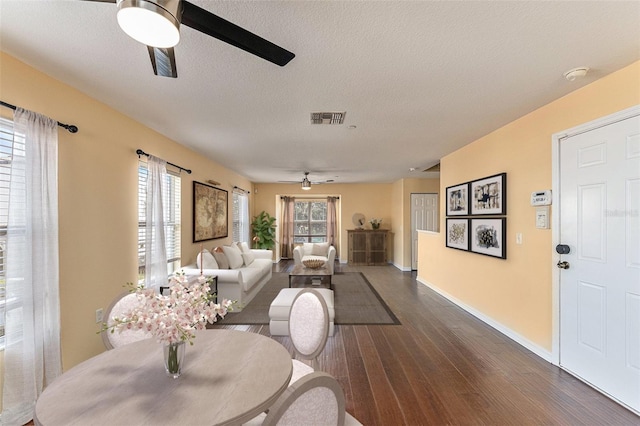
<point>210,212</point>
<point>458,200</point>
<point>488,237</point>
<point>489,195</point>
<point>457,233</point>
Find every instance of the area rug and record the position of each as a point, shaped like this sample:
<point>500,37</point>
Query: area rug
<point>356,302</point>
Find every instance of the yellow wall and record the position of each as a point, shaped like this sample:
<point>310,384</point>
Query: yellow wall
<point>98,203</point>
<point>397,214</point>
<point>98,197</point>
<point>516,292</point>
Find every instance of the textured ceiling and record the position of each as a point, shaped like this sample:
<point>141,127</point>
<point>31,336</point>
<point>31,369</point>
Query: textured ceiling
<point>417,79</point>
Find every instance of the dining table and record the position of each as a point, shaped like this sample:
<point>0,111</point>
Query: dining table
<point>228,377</point>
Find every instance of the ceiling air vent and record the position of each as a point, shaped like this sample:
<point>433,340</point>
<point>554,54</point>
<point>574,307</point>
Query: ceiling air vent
<point>328,117</point>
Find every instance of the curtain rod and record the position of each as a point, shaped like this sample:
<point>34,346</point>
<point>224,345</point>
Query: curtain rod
<point>141,152</point>
<point>240,189</point>
<point>70,127</point>
<point>310,197</point>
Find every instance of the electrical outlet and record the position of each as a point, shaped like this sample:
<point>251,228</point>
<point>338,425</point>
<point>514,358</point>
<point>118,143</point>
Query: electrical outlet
<point>99,315</point>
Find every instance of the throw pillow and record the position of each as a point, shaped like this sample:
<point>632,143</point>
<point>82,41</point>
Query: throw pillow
<point>220,257</point>
<point>306,249</point>
<point>320,249</point>
<point>248,258</point>
<point>207,260</point>
<point>234,256</point>
<point>244,247</point>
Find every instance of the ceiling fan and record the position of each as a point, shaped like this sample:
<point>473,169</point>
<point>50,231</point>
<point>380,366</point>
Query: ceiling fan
<point>306,183</point>
<point>156,23</point>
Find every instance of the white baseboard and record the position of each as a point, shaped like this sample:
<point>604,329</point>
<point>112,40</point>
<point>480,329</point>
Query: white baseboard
<point>402,268</point>
<point>533,347</point>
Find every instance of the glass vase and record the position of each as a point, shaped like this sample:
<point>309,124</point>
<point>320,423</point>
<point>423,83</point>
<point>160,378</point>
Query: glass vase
<point>174,358</point>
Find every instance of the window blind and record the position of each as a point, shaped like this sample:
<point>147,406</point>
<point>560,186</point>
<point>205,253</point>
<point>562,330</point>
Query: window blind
<point>10,145</point>
<point>310,221</point>
<point>240,216</point>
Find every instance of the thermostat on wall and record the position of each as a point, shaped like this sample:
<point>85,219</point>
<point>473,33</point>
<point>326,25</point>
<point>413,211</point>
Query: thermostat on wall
<point>541,198</point>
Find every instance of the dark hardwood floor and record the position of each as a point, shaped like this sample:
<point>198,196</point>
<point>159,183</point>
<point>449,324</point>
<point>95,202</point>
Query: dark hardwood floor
<point>443,366</point>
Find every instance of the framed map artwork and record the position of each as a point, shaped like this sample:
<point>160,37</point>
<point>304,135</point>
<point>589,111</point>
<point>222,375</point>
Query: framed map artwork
<point>210,212</point>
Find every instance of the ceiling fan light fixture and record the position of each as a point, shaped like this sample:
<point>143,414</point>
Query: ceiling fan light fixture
<point>155,24</point>
<point>306,184</point>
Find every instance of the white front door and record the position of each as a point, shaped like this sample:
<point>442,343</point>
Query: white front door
<point>600,291</point>
<point>424,216</point>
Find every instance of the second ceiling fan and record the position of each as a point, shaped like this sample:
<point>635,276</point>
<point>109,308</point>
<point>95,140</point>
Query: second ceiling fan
<point>156,23</point>
<point>306,183</point>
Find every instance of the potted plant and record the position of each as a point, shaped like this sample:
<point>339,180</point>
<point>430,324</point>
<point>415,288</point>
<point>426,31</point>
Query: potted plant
<point>264,231</point>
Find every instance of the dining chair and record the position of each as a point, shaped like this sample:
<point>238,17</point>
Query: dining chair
<point>308,330</point>
<point>120,305</point>
<point>315,399</point>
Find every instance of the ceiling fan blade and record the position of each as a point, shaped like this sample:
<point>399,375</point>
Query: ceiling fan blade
<point>206,22</point>
<point>163,61</point>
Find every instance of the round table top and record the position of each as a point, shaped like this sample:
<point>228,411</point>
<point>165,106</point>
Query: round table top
<point>228,377</point>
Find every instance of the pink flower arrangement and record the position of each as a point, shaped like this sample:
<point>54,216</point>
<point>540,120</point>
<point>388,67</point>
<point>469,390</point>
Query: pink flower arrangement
<point>173,318</point>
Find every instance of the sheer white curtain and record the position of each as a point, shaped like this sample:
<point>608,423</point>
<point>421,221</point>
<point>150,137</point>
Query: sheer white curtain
<point>32,329</point>
<point>155,255</point>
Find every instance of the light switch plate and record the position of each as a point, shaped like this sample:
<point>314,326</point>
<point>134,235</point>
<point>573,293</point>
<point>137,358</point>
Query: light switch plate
<point>542,217</point>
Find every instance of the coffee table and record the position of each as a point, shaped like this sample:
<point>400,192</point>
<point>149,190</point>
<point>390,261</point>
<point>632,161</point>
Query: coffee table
<point>302,271</point>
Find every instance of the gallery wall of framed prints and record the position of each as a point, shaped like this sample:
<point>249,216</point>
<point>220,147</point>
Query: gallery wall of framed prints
<point>476,216</point>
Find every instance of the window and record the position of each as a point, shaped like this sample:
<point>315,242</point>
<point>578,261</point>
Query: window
<point>240,216</point>
<point>10,145</point>
<point>171,197</point>
<point>310,221</point>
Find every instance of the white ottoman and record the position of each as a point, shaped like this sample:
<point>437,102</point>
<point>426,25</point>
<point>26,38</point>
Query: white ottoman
<point>281,305</point>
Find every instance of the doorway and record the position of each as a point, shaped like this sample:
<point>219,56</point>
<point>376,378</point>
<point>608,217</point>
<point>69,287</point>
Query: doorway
<point>424,217</point>
<point>597,223</point>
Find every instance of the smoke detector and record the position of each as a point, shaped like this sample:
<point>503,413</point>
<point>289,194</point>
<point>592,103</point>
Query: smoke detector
<point>576,73</point>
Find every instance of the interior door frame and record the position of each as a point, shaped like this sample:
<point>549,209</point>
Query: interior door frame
<point>556,140</point>
<point>412,224</point>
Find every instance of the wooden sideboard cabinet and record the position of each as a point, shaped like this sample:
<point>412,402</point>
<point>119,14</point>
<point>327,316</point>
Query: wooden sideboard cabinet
<point>367,246</point>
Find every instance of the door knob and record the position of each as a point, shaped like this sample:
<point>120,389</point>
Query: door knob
<point>563,265</point>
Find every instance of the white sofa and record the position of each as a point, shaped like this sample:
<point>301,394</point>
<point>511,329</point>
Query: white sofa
<point>240,283</point>
<point>321,251</point>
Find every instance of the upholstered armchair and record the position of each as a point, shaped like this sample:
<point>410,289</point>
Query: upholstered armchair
<point>322,251</point>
